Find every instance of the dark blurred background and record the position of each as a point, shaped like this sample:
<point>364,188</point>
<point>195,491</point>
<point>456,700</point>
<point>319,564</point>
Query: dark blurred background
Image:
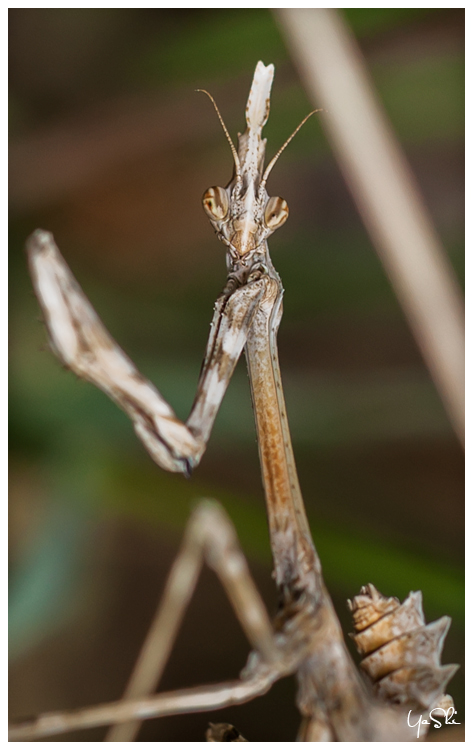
<point>111,150</point>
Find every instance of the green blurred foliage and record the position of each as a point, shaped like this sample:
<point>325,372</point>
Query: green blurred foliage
<point>217,46</point>
<point>367,22</point>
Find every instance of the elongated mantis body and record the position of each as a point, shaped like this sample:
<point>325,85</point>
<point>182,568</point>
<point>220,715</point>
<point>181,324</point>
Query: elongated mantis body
<point>335,702</point>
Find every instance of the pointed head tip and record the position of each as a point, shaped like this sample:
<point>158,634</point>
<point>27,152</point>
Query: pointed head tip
<point>261,67</point>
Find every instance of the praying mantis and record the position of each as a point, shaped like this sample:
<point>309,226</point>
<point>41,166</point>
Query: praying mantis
<point>401,653</point>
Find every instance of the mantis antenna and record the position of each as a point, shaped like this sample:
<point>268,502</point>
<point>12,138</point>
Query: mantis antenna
<point>232,146</point>
<point>278,154</point>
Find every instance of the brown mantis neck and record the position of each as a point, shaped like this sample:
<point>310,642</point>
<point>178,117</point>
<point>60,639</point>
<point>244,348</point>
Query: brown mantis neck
<point>296,563</point>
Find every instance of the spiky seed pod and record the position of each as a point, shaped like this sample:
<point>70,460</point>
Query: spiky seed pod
<point>401,653</point>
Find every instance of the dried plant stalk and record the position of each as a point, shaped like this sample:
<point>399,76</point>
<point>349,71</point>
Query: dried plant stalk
<point>386,193</point>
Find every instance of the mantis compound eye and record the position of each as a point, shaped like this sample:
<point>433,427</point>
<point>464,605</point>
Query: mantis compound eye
<point>276,213</point>
<point>215,203</point>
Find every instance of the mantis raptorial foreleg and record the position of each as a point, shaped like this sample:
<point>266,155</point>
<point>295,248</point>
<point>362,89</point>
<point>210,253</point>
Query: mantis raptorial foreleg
<point>82,342</point>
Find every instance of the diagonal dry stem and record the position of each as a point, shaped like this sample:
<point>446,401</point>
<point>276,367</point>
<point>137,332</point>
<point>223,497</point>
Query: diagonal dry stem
<point>385,192</point>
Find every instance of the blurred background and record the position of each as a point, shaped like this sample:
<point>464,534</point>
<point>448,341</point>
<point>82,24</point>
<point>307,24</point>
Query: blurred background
<point>111,150</point>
